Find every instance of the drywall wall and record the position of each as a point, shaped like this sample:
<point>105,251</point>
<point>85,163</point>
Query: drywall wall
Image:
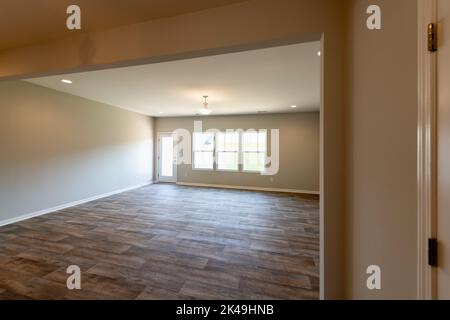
<point>57,148</point>
<point>254,23</point>
<point>381,139</point>
<point>299,150</point>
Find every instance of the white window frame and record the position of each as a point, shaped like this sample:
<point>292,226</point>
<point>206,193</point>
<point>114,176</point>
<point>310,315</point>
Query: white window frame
<point>240,152</point>
<point>264,152</point>
<point>212,151</point>
<point>216,152</point>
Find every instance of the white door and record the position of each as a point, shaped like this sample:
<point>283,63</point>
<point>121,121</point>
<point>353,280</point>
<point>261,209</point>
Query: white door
<point>443,98</point>
<point>167,169</point>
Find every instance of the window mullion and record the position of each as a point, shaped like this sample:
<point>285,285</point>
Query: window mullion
<point>215,157</point>
<point>240,153</point>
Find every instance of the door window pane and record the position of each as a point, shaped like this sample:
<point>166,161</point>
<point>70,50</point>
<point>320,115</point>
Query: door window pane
<point>167,156</point>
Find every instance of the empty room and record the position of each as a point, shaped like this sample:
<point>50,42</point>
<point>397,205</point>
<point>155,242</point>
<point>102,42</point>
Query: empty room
<point>197,178</point>
<point>225,155</point>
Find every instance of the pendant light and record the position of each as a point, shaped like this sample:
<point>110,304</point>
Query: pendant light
<point>205,110</point>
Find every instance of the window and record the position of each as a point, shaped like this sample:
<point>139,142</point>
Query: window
<point>203,150</point>
<point>254,150</point>
<point>228,151</point>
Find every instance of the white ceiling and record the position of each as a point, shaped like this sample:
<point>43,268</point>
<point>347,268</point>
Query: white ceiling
<point>266,80</point>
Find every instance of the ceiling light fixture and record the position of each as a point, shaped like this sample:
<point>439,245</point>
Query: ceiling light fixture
<point>205,110</point>
<point>319,53</point>
<point>67,81</point>
<point>293,106</point>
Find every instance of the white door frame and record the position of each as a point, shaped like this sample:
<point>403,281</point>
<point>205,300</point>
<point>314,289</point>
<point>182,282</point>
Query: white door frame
<point>158,162</point>
<point>427,152</point>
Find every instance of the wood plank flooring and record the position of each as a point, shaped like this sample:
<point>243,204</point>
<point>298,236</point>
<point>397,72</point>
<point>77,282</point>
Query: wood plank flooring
<point>168,242</point>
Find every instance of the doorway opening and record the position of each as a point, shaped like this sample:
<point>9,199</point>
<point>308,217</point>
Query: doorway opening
<point>250,187</point>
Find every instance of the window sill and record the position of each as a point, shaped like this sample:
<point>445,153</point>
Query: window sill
<point>252,171</point>
<point>195,169</point>
<point>225,170</point>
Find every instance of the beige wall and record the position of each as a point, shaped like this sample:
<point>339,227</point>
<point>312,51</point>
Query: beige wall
<point>299,149</point>
<point>254,22</point>
<point>58,148</point>
<point>381,115</point>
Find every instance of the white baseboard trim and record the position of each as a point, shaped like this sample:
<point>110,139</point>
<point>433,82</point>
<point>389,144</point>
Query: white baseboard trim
<point>222,186</point>
<point>69,205</point>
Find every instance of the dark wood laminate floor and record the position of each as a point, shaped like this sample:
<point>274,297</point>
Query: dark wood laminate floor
<point>168,242</point>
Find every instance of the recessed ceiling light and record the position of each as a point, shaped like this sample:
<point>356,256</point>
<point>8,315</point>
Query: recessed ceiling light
<point>293,106</point>
<point>319,53</point>
<point>67,81</point>
<point>161,112</point>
